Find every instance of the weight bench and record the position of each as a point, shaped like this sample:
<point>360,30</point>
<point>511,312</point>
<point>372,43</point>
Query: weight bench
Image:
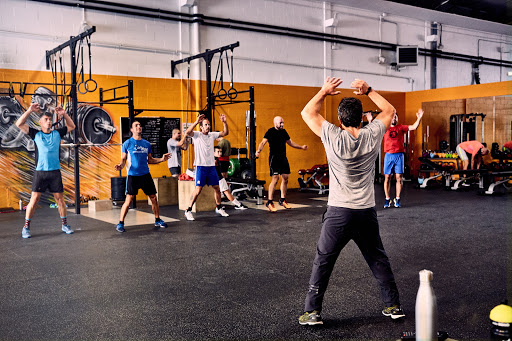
<point>506,177</point>
<point>248,185</point>
<point>442,171</point>
<point>314,182</point>
<point>448,171</point>
<point>468,175</point>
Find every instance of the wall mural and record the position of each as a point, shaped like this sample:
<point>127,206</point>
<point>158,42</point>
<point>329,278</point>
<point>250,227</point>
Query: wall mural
<point>17,150</point>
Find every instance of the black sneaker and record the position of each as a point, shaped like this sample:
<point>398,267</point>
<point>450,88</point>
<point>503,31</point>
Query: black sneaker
<point>312,318</point>
<point>394,312</point>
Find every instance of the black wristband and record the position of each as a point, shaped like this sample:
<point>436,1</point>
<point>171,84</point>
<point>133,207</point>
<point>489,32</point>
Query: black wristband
<point>368,91</point>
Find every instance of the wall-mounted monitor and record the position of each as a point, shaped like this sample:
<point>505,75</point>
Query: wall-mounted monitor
<point>407,55</point>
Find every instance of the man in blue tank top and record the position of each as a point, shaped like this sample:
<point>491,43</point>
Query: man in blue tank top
<point>47,175</point>
<point>137,152</point>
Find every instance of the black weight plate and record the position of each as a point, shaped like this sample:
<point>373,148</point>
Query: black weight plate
<point>89,119</point>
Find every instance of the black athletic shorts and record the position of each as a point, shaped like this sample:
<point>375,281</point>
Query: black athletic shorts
<point>278,165</point>
<point>224,166</point>
<point>47,180</point>
<point>144,182</point>
<point>175,170</point>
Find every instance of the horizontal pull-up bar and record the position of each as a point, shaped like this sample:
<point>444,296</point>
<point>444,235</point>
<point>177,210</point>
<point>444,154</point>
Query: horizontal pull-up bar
<point>100,103</point>
<point>94,144</point>
<point>140,111</point>
<point>111,89</point>
<point>115,99</point>
<point>230,102</point>
<point>70,42</point>
<point>33,83</point>
<point>207,56</point>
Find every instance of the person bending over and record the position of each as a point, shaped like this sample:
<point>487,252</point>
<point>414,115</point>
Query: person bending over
<point>138,151</point>
<point>475,149</point>
<point>204,160</point>
<point>47,175</point>
<point>350,215</point>
<point>277,138</point>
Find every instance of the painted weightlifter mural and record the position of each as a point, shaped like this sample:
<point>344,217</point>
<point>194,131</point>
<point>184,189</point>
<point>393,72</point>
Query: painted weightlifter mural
<point>17,150</point>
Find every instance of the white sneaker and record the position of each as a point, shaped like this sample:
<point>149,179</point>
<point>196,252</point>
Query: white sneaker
<point>221,212</point>
<point>189,216</point>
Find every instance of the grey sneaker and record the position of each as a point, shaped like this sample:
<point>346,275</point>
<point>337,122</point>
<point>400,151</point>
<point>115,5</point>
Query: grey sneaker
<point>25,232</point>
<point>394,312</point>
<point>189,216</point>
<point>221,212</point>
<point>67,229</point>
<point>312,318</point>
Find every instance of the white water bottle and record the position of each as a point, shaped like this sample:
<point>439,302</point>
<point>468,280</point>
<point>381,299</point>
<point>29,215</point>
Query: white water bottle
<point>426,308</point>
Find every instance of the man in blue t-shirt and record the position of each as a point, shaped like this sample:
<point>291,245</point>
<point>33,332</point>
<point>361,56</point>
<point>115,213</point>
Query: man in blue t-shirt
<point>47,175</point>
<point>137,151</point>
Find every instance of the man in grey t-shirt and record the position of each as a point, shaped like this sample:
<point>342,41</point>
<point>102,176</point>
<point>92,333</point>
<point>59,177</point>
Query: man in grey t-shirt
<point>174,147</point>
<point>351,154</point>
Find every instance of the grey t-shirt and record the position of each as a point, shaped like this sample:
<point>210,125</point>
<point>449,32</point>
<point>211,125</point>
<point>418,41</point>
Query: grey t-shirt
<point>352,164</point>
<point>175,159</point>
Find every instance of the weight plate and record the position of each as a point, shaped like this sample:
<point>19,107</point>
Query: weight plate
<point>90,121</point>
<point>245,164</point>
<point>4,118</point>
<point>246,174</point>
<point>234,167</point>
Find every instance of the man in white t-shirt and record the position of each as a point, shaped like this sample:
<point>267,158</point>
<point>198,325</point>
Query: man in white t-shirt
<point>174,147</point>
<point>206,173</point>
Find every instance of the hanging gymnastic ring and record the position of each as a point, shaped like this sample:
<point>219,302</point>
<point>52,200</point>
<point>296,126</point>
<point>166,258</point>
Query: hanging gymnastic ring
<point>88,85</point>
<point>222,94</point>
<point>232,93</point>
<point>79,86</point>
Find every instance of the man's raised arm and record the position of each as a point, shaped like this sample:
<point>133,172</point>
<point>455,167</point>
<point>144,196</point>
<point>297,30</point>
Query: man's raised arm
<point>311,112</point>
<point>387,110</point>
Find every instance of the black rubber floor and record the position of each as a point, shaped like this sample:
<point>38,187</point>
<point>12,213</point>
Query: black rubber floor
<point>245,277</point>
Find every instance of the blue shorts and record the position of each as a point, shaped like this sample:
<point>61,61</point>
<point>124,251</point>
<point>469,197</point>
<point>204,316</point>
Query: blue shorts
<point>394,160</point>
<point>206,175</point>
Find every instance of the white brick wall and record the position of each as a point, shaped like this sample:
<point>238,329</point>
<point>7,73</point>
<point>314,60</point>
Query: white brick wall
<point>139,47</point>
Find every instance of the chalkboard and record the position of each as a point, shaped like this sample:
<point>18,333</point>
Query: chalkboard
<point>156,130</point>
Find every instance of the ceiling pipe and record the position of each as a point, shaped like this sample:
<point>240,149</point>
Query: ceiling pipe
<point>261,28</point>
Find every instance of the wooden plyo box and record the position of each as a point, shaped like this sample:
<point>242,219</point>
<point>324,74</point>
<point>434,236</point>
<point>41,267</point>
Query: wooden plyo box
<point>166,191</point>
<point>99,205</point>
<point>205,201</point>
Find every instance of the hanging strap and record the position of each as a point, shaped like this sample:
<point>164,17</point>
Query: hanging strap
<point>232,93</point>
